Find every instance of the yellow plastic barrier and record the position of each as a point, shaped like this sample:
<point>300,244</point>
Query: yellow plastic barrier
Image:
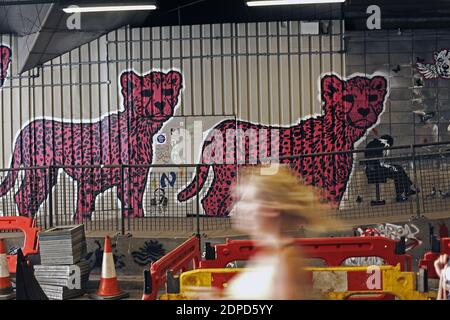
<point>332,283</point>
<point>195,282</point>
<point>394,282</point>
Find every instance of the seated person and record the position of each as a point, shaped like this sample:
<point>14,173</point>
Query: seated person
<point>382,170</point>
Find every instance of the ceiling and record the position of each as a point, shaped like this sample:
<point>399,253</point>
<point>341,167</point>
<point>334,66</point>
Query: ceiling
<point>175,12</point>
<point>44,35</point>
<point>43,31</point>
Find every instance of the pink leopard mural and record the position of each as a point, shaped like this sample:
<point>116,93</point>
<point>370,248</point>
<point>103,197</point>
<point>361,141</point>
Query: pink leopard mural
<point>350,108</point>
<point>124,137</point>
<point>5,61</point>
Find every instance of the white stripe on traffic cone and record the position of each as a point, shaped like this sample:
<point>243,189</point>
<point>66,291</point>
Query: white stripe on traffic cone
<point>109,286</point>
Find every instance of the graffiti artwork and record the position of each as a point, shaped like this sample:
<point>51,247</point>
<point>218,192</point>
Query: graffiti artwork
<point>166,180</point>
<point>150,252</point>
<point>162,154</point>
<point>95,258</point>
<point>363,261</point>
<point>161,138</point>
<point>5,61</point>
<point>124,137</point>
<point>440,68</point>
<point>159,199</point>
<point>409,231</point>
<point>350,108</point>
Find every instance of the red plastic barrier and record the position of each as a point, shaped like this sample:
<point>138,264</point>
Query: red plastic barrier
<point>334,251</point>
<point>30,245</point>
<point>430,257</point>
<point>177,260</point>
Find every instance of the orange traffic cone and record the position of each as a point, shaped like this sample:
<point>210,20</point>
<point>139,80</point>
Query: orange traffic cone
<point>6,289</point>
<point>109,286</point>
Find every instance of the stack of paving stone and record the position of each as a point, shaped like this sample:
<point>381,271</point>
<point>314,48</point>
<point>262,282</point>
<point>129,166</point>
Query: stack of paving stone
<point>62,250</point>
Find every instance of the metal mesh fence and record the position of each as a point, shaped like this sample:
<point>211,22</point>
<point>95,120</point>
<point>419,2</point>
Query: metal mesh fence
<point>371,190</point>
<point>25,196</point>
<point>434,179</point>
<point>144,198</point>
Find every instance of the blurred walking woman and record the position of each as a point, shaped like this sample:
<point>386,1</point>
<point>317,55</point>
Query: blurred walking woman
<point>442,268</point>
<point>270,203</point>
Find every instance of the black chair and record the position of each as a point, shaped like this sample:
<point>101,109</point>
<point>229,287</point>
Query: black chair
<point>374,176</point>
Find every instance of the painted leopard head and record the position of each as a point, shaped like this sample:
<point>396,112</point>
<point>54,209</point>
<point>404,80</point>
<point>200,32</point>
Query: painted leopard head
<point>5,55</point>
<point>442,59</point>
<point>357,101</point>
<point>153,96</point>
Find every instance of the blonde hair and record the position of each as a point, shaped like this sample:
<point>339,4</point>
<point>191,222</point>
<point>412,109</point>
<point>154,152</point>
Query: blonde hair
<point>277,188</point>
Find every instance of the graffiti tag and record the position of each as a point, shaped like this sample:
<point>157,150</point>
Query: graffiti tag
<point>392,231</point>
<point>150,252</point>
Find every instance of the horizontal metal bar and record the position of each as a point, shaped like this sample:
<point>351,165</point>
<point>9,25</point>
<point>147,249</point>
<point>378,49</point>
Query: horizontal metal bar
<point>404,147</point>
<point>56,167</point>
<point>231,37</point>
<point>394,38</point>
<point>231,55</point>
<point>212,115</point>
<point>57,85</point>
<point>409,147</point>
<point>127,166</point>
<point>420,156</point>
<point>70,64</point>
<point>32,76</point>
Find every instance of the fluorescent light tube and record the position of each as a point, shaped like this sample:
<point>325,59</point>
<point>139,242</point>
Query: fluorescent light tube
<point>75,9</point>
<point>262,3</point>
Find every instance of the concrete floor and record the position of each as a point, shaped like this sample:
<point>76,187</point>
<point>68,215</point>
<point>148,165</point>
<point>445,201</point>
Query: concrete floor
<point>132,285</point>
<point>134,295</point>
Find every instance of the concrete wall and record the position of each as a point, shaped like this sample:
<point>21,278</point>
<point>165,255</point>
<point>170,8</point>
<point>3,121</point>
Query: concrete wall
<point>262,72</point>
<point>267,73</point>
<point>396,53</point>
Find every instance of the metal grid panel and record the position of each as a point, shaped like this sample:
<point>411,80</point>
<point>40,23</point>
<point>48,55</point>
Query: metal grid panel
<point>427,167</point>
<point>24,192</point>
<point>434,177</point>
<point>395,54</point>
<point>359,201</point>
<point>262,72</point>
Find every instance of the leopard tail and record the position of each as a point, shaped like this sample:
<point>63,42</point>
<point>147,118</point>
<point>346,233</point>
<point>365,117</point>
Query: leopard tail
<point>191,190</point>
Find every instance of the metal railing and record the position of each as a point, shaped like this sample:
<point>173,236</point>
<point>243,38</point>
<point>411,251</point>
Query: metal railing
<point>148,193</point>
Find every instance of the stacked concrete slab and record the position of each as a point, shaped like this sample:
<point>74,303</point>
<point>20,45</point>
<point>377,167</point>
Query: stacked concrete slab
<point>62,250</point>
